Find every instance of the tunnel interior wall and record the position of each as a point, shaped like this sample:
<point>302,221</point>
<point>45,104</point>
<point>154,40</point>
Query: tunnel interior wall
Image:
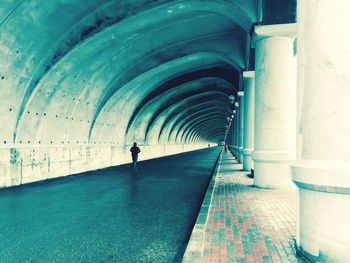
<point>82,80</point>
<point>31,164</point>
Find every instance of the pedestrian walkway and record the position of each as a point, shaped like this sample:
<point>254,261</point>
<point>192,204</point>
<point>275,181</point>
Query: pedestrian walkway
<point>245,223</point>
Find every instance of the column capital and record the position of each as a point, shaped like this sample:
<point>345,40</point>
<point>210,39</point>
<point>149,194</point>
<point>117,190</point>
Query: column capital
<point>278,30</point>
<point>248,74</point>
<point>240,93</point>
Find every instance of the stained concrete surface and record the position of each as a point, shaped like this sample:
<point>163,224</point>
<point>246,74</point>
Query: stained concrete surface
<point>107,215</point>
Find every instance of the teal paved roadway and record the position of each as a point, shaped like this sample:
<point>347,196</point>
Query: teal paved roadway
<point>107,215</point>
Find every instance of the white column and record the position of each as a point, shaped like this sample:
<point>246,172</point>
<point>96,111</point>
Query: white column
<point>234,133</point>
<point>236,119</point>
<point>248,140</point>
<point>275,88</point>
<point>322,173</point>
<point>241,125</point>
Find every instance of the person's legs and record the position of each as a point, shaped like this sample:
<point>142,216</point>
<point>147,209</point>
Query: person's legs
<point>134,163</point>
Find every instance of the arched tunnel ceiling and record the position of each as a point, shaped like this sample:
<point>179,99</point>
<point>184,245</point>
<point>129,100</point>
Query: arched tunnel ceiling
<point>116,71</point>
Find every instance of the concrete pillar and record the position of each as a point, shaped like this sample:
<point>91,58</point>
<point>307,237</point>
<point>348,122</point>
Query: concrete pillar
<point>322,172</point>
<point>236,122</point>
<point>238,115</point>
<point>241,125</point>
<point>233,135</point>
<point>248,140</point>
<point>275,73</point>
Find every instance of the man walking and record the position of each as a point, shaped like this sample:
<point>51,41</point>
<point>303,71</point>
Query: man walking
<point>134,155</point>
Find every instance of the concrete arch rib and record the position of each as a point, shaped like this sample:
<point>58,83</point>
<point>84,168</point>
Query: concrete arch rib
<point>208,129</point>
<point>188,125</point>
<point>42,47</point>
<point>186,8</point>
<point>204,125</point>
<point>218,78</point>
<point>140,103</point>
<point>58,106</point>
<point>183,118</point>
<point>126,99</point>
<point>204,130</point>
<point>207,132</point>
<point>162,69</point>
<point>213,137</point>
<point>153,132</point>
<point>150,111</point>
<point>209,123</point>
<point>192,126</point>
<point>170,126</point>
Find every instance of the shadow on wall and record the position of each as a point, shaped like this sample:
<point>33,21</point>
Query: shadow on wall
<point>25,165</point>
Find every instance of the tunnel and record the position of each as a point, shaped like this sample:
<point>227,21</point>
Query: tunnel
<point>224,89</point>
<point>83,81</point>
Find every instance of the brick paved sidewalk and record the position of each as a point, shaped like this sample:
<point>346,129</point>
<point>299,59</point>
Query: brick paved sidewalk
<point>248,224</point>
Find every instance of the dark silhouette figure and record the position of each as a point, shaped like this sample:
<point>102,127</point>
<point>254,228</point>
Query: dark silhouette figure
<point>225,147</point>
<point>134,155</point>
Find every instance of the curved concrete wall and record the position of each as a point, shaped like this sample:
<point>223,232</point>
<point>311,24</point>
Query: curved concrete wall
<point>87,78</point>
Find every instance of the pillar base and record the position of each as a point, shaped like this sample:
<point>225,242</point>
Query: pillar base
<point>324,210</point>
<point>235,151</point>
<point>272,169</point>
<point>247,159</point>
<point>240,154</point>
